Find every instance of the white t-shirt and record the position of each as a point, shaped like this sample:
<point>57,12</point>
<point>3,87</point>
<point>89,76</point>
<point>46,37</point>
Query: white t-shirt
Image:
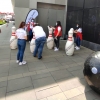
<point>79,30</point>
<point>21,33</point>
<point>38,32</point>
<point>59,28</point>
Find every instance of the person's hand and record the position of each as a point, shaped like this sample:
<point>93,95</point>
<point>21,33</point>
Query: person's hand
<point>56,38</point>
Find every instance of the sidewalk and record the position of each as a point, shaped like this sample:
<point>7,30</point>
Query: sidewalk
<point>55,77</point>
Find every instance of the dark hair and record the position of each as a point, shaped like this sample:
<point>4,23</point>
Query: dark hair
<point>37,24</point>
<point>79,25</point>
<point>58,23</point>
<point>22,24</point>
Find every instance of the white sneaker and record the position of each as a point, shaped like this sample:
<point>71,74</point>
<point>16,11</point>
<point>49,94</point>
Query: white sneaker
<point>22,63</point>
<point>77,48</point>
<point>17,61</point>
<point>56,49</point>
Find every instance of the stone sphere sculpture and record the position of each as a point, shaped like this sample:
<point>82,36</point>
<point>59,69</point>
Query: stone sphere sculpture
<point>92,71</point>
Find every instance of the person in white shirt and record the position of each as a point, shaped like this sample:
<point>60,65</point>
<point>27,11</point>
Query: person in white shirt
<point>40,36</point>
<point>21,35</point>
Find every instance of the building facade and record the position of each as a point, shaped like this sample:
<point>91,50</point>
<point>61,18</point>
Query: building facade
<point>49,12</point>
<point>86,13</point>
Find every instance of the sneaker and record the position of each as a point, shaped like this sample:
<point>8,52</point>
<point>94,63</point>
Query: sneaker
<point>17,61</point>
<point>56,49</point>
<point>77,48</point>
<point>22,63</point>
<point>40,57</point>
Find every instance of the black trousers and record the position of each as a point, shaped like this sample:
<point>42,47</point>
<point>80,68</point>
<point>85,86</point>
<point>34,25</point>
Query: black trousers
<point>57,42</point>
<point>30,35</point>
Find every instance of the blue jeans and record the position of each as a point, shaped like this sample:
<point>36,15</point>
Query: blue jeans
<point>78,41</point>
<point>39,46</point>
<point>21,48</point>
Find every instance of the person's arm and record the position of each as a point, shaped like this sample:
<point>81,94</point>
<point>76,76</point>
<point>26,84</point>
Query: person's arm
<point>53,28</point>
<point>75,31</point>
<point>25,37</point>
<point>16,34</point>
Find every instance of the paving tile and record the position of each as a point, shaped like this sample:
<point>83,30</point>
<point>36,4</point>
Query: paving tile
<point>80,97</point>
<point>50,59</point>
<point>59,96</point>
<point>72,93</point>
<point>36,66</point>
<point>31,59</point>
<point>3,63</point>
<point>60,74</point>
<point>15,76</point>
<point>19,84</point>
<point>24,94</point>
<point>84,89</point>
<point>48,92</point>
<point>4,69</point>
<point>83,82</point>
<point>86,96</point>
<point>78,67</point>
<point>3,74</point>
<point>52,64</point>
<point>39,76</point>
<point>2,93</point>
<point>43,99</point>
<point>78,73</point>
<point>54,69</point>
<point>29,74</point>
<point>18,70</point>
<point>64,59</point>
<point>68,83</point>
<point>42,71</point>
<point>3,79</point>
<point>3,84</point>
<point>44,83</point>
<point>64,67</point>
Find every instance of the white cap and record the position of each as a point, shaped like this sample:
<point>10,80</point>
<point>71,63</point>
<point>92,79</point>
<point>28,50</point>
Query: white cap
<point>94,70</point>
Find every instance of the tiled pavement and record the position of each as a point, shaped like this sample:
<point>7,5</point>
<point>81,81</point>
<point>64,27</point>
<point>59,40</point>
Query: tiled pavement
<point>55,77</point>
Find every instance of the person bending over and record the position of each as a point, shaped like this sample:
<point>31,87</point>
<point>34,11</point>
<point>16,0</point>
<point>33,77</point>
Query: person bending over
<point>40,36</point>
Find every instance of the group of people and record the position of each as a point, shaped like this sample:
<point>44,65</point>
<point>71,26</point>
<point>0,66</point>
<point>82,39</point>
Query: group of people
<point>40,39</point>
